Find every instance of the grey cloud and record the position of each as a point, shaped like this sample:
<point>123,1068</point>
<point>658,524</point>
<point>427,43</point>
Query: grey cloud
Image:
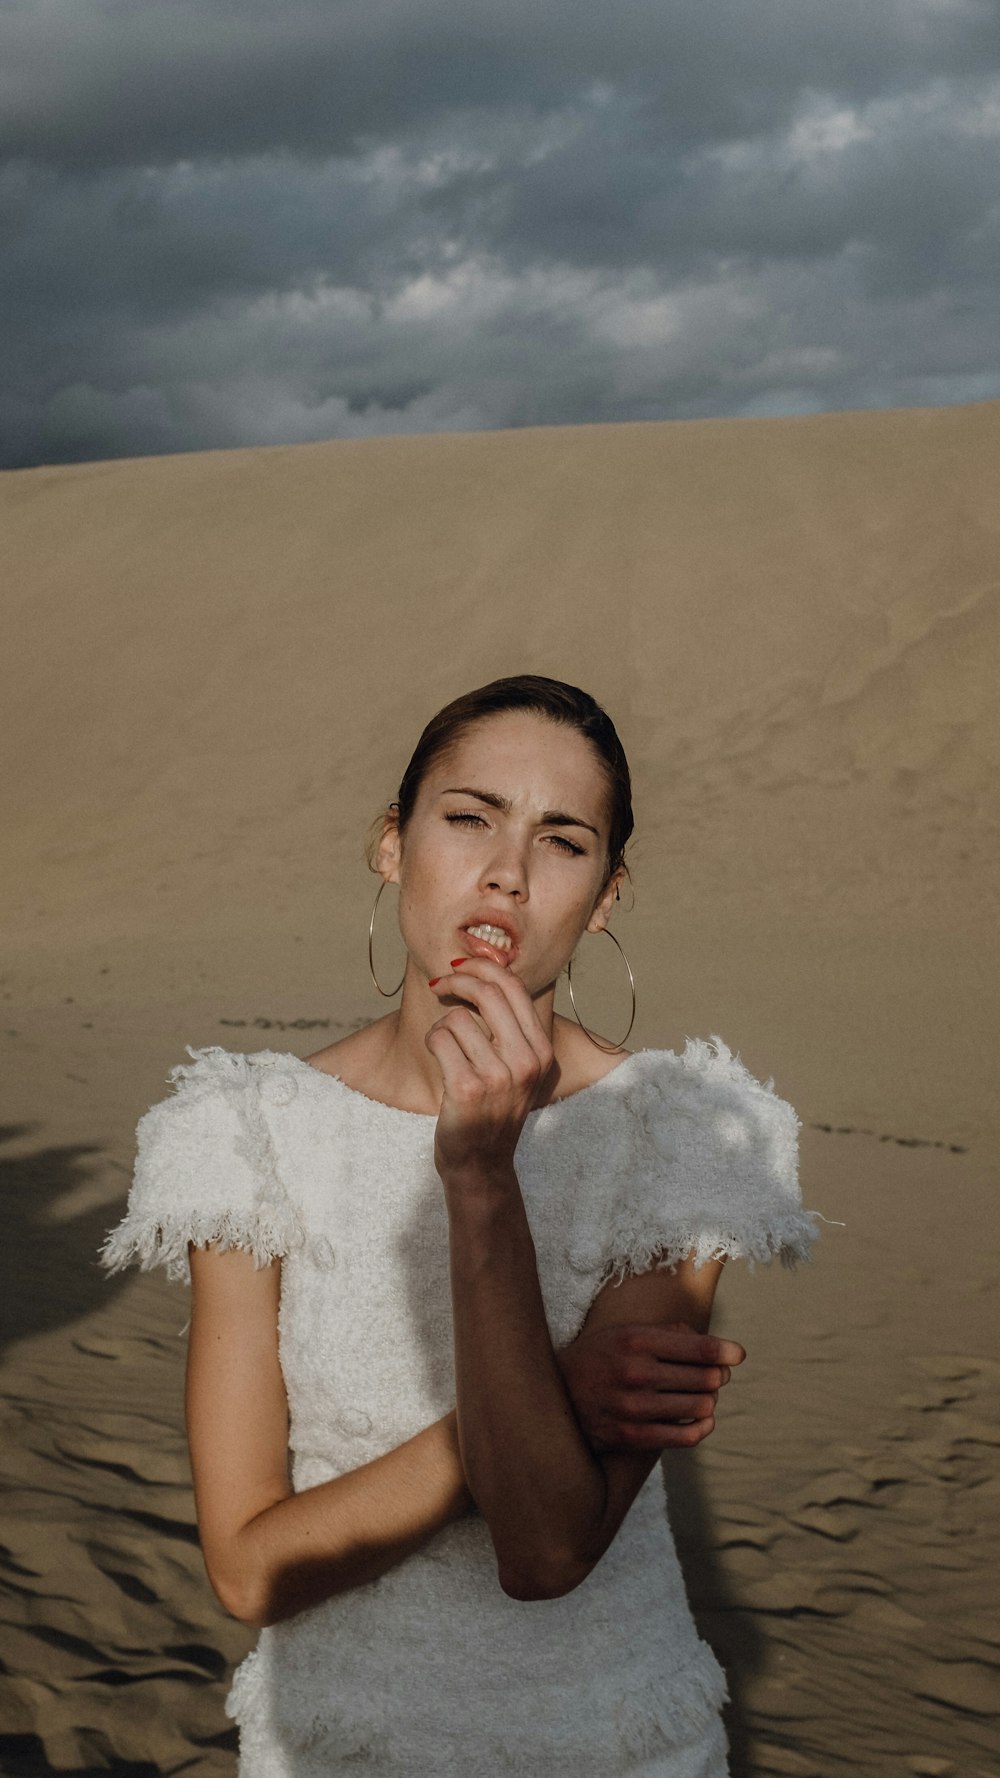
<point>234,224</point>
<point>93,82</point>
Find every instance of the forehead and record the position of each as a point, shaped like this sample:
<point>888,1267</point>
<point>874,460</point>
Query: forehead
<point>526,757</point>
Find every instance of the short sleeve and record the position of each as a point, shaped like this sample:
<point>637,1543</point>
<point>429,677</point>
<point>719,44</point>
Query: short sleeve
<point>701,1162</point>
<point>204,1172</point>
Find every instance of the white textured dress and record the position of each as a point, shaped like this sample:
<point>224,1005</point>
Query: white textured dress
<point>432,1671</point>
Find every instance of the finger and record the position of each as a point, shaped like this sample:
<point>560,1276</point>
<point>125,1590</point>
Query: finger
<point>515,995</point>
<point>670,1409</point>
<point>648,1373</point>
<point>684,1438</point>
<point>517,1034</point>
<point>679,1379</point>
<point>642,1436</point>
<point>471,1058</point>
<point>684,1345</point>
<point>457,1073</point>
<point>489,1000</point>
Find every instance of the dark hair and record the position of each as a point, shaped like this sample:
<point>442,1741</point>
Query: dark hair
<point>548,697</point>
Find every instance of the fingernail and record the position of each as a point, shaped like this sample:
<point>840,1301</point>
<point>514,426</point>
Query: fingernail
<point>434,981</point>
<point>457,960</point>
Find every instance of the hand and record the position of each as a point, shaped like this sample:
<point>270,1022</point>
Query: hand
<point>643,1387</point>
<point>491,1077</point>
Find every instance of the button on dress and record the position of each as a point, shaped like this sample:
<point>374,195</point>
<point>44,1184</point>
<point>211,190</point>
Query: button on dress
<point>432,1671</point>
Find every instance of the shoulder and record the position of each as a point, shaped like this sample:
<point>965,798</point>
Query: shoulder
<point>205,1167</point>
<point>707,1085</point>
<point>358,1057</point>
<point>220,1085</point>
<point>230,1074</point>
<point>696,1113</point>
<point>718,1128</point>
<point>582,1063</point>
<point>216,1120</point>
<point>692,1154</point>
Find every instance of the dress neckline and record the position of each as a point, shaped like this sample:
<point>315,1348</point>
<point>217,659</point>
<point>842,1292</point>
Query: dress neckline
<point>425,1117</point>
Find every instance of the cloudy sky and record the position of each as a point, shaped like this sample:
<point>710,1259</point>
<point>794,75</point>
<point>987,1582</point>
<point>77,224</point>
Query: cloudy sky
<point>230,222</point>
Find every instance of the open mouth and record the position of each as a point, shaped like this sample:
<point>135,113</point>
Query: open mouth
<point>492,935</point>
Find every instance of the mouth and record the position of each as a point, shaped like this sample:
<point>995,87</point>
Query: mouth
<point>491,940</point>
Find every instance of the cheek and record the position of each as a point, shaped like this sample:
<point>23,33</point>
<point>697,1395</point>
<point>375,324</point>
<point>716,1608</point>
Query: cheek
<point>567,920</point>
<point>425,879</point>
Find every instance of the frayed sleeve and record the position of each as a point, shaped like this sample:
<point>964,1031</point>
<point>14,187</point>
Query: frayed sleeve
<point>204,1172</point>
<point>704,1165</point>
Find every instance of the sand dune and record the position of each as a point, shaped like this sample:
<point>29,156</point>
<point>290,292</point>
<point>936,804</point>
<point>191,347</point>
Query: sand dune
<point>213,669</point>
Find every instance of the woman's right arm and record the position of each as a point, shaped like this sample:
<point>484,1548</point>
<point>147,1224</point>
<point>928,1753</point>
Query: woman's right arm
<point>270,1552</point>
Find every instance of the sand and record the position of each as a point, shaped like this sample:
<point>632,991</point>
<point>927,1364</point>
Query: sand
<point>213,669</point>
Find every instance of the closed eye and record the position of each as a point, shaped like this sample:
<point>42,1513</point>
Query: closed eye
<point>470,819</point>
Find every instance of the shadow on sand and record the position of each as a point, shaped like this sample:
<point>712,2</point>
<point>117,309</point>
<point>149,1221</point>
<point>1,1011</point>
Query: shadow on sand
<point>732,1633</point>
<point>49,1270</point>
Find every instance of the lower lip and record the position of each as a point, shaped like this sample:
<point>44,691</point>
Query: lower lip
<point>478,947</point>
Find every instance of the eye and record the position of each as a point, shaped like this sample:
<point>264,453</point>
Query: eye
<point>468,818</point>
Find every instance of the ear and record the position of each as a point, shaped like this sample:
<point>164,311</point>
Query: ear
<point>389,852</point>
<point>605,902</point>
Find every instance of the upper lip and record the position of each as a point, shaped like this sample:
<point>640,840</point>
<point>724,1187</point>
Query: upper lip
<point>492,917</point>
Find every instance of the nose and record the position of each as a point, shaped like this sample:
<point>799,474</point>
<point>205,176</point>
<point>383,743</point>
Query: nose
<point>506,871</point>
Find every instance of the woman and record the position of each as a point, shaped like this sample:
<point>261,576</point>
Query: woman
<point>461,1265</point>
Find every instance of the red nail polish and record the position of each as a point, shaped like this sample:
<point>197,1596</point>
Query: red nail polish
<point>457,960</point>
<point>434,981</point>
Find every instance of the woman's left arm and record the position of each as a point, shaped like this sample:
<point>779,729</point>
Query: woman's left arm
<point>553,1506</point>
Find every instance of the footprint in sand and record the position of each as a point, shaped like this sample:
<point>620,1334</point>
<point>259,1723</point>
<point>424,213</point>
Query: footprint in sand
<point>264,1024</point>
<point>901,1141</point>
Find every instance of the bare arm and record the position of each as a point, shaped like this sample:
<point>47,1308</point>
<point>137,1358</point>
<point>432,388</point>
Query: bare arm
<point>553,1505</point>
<point>268,1551</point>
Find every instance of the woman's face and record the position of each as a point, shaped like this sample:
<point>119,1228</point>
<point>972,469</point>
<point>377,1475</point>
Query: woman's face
<point>509,837</point>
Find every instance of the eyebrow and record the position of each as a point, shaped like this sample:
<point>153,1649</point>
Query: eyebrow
<point>551,817</point>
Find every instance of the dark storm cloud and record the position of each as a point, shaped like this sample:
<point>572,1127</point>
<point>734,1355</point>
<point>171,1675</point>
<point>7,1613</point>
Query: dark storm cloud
<point>109,82</point>
<point>236,223</point>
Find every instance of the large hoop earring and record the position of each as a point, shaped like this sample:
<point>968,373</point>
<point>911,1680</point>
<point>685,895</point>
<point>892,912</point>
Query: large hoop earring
<point>386,993</point>
<point>608,1048</point>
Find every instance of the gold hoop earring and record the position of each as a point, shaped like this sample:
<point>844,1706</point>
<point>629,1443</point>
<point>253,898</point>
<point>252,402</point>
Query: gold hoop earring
<point>386,993</point>
<point>608,1048</point>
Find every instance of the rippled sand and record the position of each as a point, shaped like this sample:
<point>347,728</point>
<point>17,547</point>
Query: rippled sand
<point>215,666</point>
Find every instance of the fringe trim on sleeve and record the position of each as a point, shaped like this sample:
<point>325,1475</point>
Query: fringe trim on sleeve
<point>160,1241</point>
<point>788,1238</point>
